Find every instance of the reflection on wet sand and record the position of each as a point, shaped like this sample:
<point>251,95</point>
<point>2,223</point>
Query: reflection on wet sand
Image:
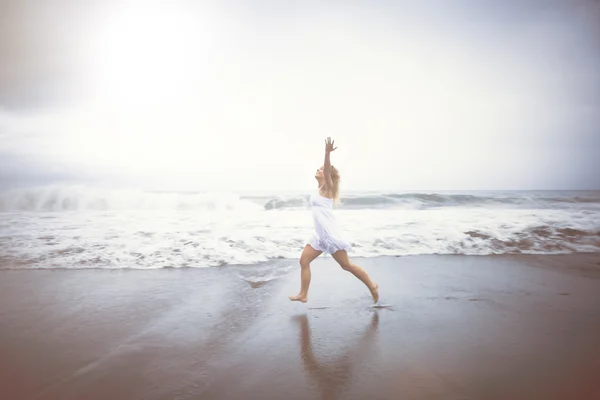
<point>332,374</point>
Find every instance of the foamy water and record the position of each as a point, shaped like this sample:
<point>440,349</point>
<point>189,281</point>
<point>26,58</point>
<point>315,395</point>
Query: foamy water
<point>79,227</point>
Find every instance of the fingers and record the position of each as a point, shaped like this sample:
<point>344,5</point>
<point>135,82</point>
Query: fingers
<point>330,143</point>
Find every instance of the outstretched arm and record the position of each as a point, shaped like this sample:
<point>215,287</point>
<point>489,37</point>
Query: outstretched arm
<point>327,164</point>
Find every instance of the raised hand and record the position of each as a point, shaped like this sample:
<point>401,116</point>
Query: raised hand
<point>329,145</point>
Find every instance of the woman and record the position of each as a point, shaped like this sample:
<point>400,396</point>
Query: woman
<point>327,238</point>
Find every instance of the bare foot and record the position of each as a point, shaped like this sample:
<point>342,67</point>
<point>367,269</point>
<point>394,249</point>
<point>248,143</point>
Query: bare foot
<point>300,297</point>
<point>375,293</point>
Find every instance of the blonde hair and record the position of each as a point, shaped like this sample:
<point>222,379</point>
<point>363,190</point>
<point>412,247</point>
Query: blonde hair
<point>335,177</point>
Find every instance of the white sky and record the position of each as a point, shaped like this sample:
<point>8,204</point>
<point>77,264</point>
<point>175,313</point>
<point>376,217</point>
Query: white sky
<point>175,96</point>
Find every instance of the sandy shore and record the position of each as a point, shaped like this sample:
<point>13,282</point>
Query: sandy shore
<point>459,327</point>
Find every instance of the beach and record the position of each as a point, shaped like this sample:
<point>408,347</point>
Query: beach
<point>454,327</point>
<point>165,166</point>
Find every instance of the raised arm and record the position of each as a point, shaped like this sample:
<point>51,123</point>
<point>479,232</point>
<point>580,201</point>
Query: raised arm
<point>327,164</point>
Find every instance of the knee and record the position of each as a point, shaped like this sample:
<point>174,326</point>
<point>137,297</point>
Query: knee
<point>346,266</point>
<point>304,263</point>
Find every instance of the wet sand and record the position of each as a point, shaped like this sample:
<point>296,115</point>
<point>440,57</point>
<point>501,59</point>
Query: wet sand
<point>459,327</point>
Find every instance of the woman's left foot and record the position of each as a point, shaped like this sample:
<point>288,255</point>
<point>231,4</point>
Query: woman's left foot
<point>375,293</point>
<point>299,297</point>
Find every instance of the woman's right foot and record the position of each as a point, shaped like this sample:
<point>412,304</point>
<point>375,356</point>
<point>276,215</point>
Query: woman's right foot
<point>375,293</point>
<point>299,297</point>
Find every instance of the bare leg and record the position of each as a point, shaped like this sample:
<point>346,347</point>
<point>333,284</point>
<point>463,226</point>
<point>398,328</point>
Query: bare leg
<point>308,255</point>
<point>342,258</point>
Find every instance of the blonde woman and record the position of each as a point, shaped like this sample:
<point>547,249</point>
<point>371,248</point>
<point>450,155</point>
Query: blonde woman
<point>327,238</point>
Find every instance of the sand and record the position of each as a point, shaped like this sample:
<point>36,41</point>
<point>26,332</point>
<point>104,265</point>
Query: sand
<point>459,327</point>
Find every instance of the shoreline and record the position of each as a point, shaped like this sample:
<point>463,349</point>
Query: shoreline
<point>539,259</point>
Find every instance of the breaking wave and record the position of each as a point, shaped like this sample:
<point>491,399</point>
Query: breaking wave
<point>82,198</point>
<point>433,200</point>
<point>79,227</point>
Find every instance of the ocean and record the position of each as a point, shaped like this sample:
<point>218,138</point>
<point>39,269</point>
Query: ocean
<point>85,227</point>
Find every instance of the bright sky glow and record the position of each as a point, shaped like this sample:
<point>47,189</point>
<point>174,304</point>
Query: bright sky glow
<point>186,97</point>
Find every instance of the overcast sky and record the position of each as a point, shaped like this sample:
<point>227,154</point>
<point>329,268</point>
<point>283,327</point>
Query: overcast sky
<point>232,95</point>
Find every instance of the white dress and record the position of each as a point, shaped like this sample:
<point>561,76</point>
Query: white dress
<point>327,237</point>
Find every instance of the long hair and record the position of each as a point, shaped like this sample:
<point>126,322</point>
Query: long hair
<point>335,177</point>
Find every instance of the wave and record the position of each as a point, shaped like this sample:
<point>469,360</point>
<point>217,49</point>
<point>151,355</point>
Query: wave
<point>541,239</point>
<point>432,200</point>
<point>279,203</point>
<point>160,240</point>
<point>82,198</point>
